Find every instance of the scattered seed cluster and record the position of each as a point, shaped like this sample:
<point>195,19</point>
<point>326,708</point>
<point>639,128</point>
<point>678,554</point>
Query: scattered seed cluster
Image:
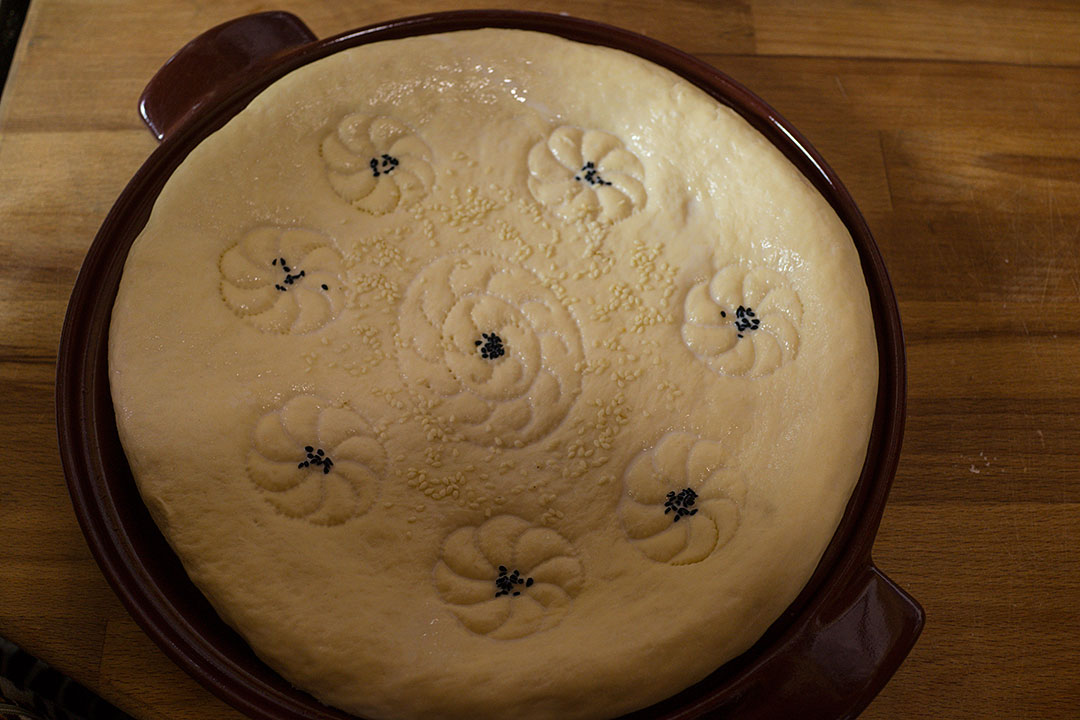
<point>467,209</point>
<point>590,174</point>
<point>491,347</point>
<point>596,434</point>
<point>672,393</point>
<point>383,165</point>
<point>369,264</point>
<point>468,488</point>
<point>378,284</point>
<point>290,277</point>
<point>508,582</point>
<point>596,260</point>
<point>509,235</point>
<point>648,298</point>
<point>318,458</point>
<point>653,272</point>
<point>745,320</point>
<point>383,250</point>
<point>360,359</point>
<point>681,503</point>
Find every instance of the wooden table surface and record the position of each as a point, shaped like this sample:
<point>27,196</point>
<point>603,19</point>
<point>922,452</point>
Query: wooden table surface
<point>955,126</point>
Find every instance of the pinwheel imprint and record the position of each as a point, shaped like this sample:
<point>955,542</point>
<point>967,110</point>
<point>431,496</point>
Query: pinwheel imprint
<point>586,174</point>
<point>682,497</point>
<point>285,280</point>
<point>493,346</point>
<point>743,321</point>
<point>508,578</point>
<point>316,462</point>
<point>377,164</point>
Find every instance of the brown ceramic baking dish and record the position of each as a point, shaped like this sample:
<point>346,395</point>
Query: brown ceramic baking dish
<point>827,656</point>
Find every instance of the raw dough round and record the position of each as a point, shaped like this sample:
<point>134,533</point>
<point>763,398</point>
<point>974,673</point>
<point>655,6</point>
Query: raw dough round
<point>490,374</point>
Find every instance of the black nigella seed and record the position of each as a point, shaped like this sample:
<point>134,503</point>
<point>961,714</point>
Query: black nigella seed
<point>723,314</point>
<point>679,504</point>
<point>320,452</point>
<point>274,261</point>
<point>308,448</point>
<point>505,583</point>
<point>324,287</point>
<point>387,164</point>
<point>492,346</point>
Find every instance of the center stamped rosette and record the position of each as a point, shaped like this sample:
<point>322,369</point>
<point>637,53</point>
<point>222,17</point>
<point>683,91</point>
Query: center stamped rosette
<point>494,347</point>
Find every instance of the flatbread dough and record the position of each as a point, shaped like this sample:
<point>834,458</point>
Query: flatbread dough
<point>490,374</point>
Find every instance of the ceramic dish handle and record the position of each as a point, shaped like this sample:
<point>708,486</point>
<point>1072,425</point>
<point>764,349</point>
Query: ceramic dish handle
<point>834,665</point>
<point>208,66</point>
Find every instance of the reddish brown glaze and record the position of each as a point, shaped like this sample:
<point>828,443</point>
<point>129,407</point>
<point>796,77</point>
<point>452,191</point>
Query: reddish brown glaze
<point>827,656</point>
<point>215,62</point>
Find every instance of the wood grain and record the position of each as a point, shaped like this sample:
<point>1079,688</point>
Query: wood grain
<point>1011,31</point>
<point>954,125</point>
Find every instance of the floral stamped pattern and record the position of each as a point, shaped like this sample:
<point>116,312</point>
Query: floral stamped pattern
<point>493,346</point>
<point>586,174</point>
<point>743,321</point>
<point>284,280</point>
<point>508,578</point>
<point>682,498</point>
<point>377,164</point>
<point>316,462</point>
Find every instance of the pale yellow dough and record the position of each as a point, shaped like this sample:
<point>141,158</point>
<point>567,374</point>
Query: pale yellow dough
<point>622,371</point>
